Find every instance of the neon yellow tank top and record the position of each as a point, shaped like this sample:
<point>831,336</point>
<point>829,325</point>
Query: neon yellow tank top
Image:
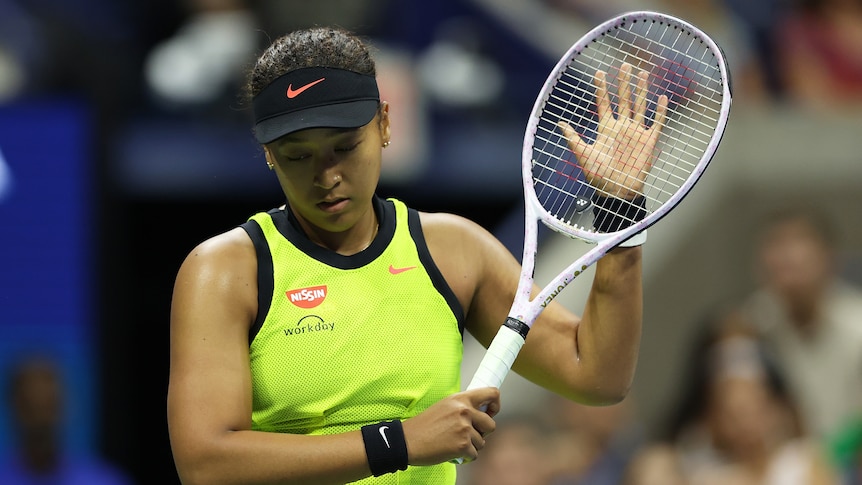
<point>345,341</point>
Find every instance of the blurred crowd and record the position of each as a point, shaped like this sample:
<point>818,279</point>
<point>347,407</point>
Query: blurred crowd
<point>37,395</point>
<point>184,61</point>
<point>189,56</point>
<point>774,391</point>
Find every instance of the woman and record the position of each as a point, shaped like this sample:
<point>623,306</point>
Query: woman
<point>321,342</point>
<point>736,424</point>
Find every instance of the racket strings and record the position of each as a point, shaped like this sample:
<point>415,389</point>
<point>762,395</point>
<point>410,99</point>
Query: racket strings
<point>680,66</point>
<point>572,81</point>
<point>646,58</point>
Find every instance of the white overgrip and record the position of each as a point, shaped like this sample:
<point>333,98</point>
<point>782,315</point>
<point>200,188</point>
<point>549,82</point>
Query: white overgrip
<point>498,359</point>
<point>496,363</point>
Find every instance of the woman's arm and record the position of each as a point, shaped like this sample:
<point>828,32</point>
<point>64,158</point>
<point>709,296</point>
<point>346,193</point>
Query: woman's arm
<point>210,395</point>
<point>590,359</point>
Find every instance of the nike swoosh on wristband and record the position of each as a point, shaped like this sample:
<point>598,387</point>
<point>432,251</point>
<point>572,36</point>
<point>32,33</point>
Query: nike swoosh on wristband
<point>292,93</point>
<point>395,270</point>
<point>383,434</point>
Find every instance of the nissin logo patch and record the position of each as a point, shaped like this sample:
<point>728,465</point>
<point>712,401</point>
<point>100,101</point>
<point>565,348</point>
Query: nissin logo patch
<point>307,297</point>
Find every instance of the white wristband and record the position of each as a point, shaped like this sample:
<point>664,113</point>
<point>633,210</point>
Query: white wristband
<point>633,241</point>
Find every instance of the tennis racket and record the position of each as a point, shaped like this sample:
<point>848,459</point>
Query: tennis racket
<point>603,160</point>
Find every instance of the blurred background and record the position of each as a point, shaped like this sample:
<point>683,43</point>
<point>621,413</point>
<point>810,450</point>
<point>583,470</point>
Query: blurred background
<point>124,142</point>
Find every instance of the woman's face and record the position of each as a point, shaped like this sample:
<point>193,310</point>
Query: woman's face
<point>742,414</point>
<point>329,175</point>
<point>794,260</point>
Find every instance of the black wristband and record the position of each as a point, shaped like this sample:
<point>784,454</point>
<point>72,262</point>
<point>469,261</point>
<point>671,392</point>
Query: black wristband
<point>613,214</point>
<point>385,447</point>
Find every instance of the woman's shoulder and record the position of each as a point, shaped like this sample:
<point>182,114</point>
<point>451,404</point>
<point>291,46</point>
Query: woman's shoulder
<point>227,243</point>
<point>228,252</point>
<point>449,223</point>
<point>454,231</point>
<point>461,240</point>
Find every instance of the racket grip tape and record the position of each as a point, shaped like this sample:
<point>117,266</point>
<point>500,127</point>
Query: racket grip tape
<point>498,359</point>
<point>501,354</point>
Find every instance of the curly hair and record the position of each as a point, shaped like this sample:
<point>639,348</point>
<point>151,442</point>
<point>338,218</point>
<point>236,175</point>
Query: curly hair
<point>314,47</point>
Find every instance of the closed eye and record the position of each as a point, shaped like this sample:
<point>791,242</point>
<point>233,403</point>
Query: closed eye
<point>347,148</point>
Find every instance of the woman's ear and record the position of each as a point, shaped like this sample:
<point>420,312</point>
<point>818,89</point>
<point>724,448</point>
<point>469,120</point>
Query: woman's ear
<point>384,123</point>
<point>268,156</point>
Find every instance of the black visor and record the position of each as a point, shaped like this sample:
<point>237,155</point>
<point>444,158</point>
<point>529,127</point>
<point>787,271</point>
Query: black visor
<point>314,97</point>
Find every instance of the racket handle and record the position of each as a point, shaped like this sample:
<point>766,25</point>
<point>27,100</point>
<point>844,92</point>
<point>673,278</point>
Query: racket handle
<point>497,360</point>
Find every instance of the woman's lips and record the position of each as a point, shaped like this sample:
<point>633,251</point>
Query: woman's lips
<point>334,205</point>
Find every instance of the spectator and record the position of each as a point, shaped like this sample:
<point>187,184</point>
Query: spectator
<point>591,444</point>
<point>36,399</point>
<point>819,53</point>
<point>847,452</point>
<point>736,424</point>
<point>516,455</point>
<point>759,21</point>
<point>84,49</point>
<point>202,64</point>
<point>657,464</point>
<point>736,39</point>
<point>205,58</point>
<point>809,317</point>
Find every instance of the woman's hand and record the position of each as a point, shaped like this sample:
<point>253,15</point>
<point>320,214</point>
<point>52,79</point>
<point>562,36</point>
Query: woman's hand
<point>454,427</point>
<point>618,161</point>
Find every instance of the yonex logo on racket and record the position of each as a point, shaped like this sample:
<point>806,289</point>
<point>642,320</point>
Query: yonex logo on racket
<point>308,297</point>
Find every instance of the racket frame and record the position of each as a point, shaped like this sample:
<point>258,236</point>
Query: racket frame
<point>506,345</point>
<point>526,309</point>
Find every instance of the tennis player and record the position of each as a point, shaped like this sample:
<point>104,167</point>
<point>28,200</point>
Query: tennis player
<point>321,341</point>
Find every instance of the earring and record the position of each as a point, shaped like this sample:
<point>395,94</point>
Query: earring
<point>386,144</point>
<point>271,167</point>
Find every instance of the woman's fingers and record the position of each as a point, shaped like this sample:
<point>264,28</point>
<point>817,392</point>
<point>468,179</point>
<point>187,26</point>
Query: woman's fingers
<point>576,144</point>
<point>660,117</point>
<point>603,100</point>
<point>624,81</point>
<point>640,98</point>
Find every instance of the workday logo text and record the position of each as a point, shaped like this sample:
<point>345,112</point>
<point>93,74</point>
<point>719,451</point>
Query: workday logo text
<point>309,324</point>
